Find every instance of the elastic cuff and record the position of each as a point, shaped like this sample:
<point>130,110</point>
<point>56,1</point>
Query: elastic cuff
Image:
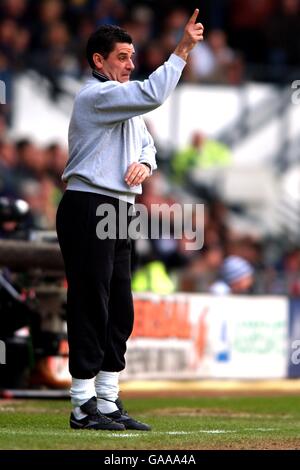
<point>177,61</point>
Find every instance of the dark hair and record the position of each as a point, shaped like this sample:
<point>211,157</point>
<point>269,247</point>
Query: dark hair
<point>103,41</point>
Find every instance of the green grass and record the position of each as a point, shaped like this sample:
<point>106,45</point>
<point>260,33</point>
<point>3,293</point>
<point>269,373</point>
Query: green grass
<point>178,423</point>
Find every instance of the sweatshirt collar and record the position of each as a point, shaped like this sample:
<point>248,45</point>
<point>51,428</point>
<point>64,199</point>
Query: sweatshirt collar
<point>100,76</point>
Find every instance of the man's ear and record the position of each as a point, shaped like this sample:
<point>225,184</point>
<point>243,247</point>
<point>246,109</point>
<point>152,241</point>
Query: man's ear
<point>98,60</point>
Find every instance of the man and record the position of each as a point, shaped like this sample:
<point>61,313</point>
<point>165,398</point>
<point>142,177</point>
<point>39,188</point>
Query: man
<point>111,154</point>
<point>236,277</point>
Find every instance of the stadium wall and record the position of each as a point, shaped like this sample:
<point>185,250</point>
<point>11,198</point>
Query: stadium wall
<point>186,336</point>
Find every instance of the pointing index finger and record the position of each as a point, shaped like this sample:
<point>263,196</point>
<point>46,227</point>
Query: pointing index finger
<point>193,18</point>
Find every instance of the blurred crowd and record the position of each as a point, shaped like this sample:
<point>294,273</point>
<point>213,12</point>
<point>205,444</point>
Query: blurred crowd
<point>255,39</point>
<point>229,261</point>
<point>32,173</point>
<point>243,38</point>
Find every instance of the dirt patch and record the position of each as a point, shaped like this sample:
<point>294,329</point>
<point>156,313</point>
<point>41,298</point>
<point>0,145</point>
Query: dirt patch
<point>204,412</point>
<point>206,393</point>
<point>247,444</point>
<point>26,406</point>
<point>288,444</point>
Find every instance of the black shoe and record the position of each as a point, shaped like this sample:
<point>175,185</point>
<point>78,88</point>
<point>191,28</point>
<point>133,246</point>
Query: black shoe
<point>121,416</point>
<point>94,419</point>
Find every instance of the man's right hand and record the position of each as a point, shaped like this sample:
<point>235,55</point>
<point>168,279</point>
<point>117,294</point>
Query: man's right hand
<point>193,33</point>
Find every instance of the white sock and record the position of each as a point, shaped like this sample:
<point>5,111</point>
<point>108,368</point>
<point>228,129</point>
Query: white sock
<point>81,391</point>
<point>78,413</point>
<point>107,389</point>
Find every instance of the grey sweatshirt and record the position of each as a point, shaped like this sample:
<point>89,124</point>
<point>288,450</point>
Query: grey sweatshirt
<point>107,132</point>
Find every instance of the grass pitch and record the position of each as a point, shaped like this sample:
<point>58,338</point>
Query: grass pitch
<point>187,423</point>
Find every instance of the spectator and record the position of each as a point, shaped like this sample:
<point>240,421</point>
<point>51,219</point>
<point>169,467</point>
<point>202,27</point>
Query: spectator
<point>172,28</point>
<point>212,60</point>
<point>247,20</point>
<point>42,200</point>
<point>282,31</point>
<point>15,9</point>
<point>3,128</point>
<point>236,277</point>
<point>201,153</point>
<point>56,158</point>
<point>32,162</point>
<point>6,77</point>
<point>202,269</point>
<point>108,12</point>
<point>153,277</point>
<point>152,56</point>
<point>8,186</point>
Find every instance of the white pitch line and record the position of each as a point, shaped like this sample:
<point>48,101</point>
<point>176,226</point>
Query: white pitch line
<point>261,429</point>
<point>207,431</point>
<point>217,431</point>
<point>121,434</point>
<point>130,435</point>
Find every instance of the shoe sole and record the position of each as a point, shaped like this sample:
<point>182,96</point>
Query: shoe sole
<point>77,427</point>
<point>134,427</point>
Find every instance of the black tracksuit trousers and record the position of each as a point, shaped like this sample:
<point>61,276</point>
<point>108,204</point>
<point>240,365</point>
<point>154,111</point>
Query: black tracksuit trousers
<point>99,298</point>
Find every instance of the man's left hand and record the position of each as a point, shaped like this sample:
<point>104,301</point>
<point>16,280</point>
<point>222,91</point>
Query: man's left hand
<point>136,174</point>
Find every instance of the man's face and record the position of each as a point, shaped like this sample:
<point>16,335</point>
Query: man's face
<point>242,285</point>
<point>118,65</point>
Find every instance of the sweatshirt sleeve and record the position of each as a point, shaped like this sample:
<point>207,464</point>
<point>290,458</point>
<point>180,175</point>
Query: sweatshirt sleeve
<point>117,102</point>
<point>149,150</point>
